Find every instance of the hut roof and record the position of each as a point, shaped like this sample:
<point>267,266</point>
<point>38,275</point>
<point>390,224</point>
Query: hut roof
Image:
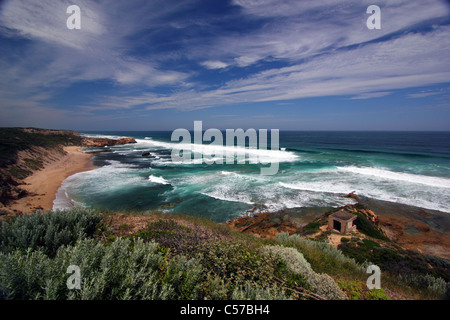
<point>343,215</point>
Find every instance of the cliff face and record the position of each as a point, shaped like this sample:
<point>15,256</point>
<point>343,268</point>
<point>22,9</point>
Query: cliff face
<point>26,150</point>
<point>104,142</point>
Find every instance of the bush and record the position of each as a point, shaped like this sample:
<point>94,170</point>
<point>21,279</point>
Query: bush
<point>254,292</point>
<point>322,256</point>
<point>121,270</point>
<point>368,228</point>
<point>183,276</point>
<point>353,289</point>
<point>376,294</point>
<point>48,230</point>
<point>116,271</point>
<point>357,290</point>
<point>236,263</point>
<point>311,228</point>
<point>436,286</point>
<point>170,234</point>
<point>213,288</point>
<point>321,284</point>
<point>396,261</point>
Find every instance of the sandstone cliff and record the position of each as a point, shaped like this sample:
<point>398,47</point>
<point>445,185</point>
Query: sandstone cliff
<point>104,142</point>
<point>26,150</point>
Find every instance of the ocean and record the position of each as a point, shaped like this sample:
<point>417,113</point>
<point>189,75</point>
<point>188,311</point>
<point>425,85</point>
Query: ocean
<point>316,169</point>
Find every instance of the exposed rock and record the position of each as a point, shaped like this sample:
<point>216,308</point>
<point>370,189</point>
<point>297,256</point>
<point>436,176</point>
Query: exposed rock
<point>9,188</point>
<point>27,150</point>
<point>145,154</point>
<point>50,131</point>
<point>351,195</point>
<point>264,225</point>
<point>104,142</point>
<point>370,215</point>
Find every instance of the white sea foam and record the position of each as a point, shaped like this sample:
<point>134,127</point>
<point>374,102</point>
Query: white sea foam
<point>159,180</point>
<point>400,176</point>
<point>209,150</point>
<point>109,178</point>
<point>63,200</point>
<point>103,136</point>
<point>224,196</point>
<point>381,184</point>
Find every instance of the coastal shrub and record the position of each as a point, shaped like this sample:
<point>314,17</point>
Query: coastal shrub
<point>353,289</point>
<point>48,230</point>
<point>121,270</point>
<point>321,284</point>
<point>311,228</point>
<point>376,294</point>
<point>170,234</point>
<point>213,288</point>
<point>436,286</point>
<point>357,290</point>
<point>183,276</point>
<point>369,228</point>
<point>322,256</point>
<point>441,267</point>
<point>370,244</point>
<point>397,261</point>
<point>254,292</point>
<point>236,263</point>
<point>22,274</point>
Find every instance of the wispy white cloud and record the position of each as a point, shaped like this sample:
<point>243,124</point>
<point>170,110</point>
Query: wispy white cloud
<point>370,95</point>
<point>423,94</point>
<point>214,64</point>
<point>369,71</point>
<point>320,48</point>
<point>96,51</point>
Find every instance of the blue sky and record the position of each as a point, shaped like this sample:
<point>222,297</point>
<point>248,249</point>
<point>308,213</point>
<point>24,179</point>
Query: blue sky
<point>160,65</point>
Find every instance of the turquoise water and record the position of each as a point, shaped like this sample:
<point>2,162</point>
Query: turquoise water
<point>315,170</point>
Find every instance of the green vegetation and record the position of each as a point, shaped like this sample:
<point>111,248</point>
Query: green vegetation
<point>121,270</point>
<point>33,141</point>
<point>321,285</point>
<point>17,139</point>
<point>48,231</point>
<point>366,227</point>
<point>323,257</point>
<point>428,274</point>
<point>34,164</point>
<point>397,260</point>
<point>179,257</point>
<point>311,228</point>
<point>357,290</point>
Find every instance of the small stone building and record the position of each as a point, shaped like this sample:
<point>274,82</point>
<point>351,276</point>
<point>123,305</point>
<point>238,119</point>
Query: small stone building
<point>342,221</point>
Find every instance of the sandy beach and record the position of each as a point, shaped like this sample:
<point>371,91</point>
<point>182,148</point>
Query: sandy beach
<point>44,184</point>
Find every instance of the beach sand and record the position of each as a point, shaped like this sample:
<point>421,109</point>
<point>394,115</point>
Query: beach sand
<point>43,184</point>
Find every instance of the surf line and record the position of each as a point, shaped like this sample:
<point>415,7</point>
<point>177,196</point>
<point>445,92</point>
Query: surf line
<point>234,150</point>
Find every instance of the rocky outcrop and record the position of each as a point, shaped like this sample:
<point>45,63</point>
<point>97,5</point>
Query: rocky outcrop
<point>50,131</point>
<point>105,142</point>
<point>26,150</point>
<point>9,189</point>
<point>351,195</point>
<point>264,225</point>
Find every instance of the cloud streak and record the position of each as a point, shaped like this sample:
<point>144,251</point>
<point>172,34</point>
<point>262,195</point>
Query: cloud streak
<point>158,55</point>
